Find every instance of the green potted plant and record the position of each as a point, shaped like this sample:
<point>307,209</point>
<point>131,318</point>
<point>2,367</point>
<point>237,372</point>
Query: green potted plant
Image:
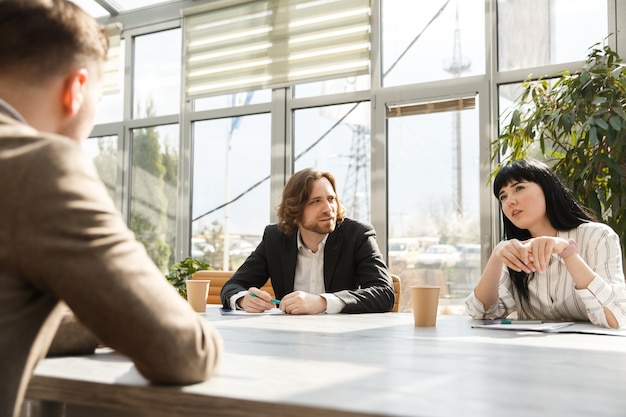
<point>577,123</point>
<point>182,271</point>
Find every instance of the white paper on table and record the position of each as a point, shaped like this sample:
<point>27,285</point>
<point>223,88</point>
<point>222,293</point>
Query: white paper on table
<point>272,311</point>
<point>538,327</point>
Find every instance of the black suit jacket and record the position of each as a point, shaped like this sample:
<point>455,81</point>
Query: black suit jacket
<point>354,268</point>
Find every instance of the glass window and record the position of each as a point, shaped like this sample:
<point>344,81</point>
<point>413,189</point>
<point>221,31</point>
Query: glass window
<point>111,106</point>
<point>507,95</point>
<point>157,69</point>
<point>542,32</point>
<point>231,188</point>
<point>154,180</point>
<point>337,139</point>
<point>233,100</point>
<point>433,200</point>
<point>341,85</point>
<point>103,153</point>
<point>431,40</point>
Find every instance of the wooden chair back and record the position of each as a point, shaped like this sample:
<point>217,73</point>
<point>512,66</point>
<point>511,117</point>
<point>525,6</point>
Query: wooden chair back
<point>397,289</point>
<point>218,279</point>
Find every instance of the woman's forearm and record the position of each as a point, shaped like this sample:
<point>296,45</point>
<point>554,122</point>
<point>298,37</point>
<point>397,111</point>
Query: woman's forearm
<point>582,275</point>
<point>487,288</point>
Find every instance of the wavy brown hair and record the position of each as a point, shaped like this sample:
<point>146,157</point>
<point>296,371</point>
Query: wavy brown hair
<point>296,194</point>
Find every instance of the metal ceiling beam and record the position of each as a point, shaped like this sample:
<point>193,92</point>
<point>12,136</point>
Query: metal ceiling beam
<point>146,16</point>
<point>110,6</point>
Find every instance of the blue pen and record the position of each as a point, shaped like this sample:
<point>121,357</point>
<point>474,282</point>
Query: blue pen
<point>273,300</point>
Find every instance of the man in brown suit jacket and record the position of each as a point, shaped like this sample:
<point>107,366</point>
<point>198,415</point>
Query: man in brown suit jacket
<point>62,241</point>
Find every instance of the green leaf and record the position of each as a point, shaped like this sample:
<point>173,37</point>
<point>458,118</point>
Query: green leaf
<point>593,135</point>
<point>601,123</point>
<point>515,118</point>
<point>598,100</point>
<point>619,111</point>
<point>615,123</point>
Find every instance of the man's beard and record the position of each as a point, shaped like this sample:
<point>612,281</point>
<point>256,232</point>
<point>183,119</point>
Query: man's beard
<point>317,228</point>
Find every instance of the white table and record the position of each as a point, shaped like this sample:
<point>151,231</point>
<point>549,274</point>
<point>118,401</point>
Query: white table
<point>349,365</point>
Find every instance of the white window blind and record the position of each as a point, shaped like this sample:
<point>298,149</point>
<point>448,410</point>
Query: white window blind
<point>112,73</point>
<point>412,109</point>
<point>238,45</point>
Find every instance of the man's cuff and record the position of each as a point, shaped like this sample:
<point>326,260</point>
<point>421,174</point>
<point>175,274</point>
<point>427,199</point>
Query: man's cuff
<point>334,304</point>
<point>234,298</point>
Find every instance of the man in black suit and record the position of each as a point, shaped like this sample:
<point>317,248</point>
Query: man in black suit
<point>318,260</point>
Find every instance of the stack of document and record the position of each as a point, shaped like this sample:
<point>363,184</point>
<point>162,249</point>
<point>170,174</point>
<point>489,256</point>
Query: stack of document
<point>535,325</point>
<point>547,326</point>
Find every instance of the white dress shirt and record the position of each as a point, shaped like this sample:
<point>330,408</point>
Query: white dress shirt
<point>310,274</point>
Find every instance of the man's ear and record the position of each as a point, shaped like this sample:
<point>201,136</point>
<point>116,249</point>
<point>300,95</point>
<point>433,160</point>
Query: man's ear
<point>73,89</point>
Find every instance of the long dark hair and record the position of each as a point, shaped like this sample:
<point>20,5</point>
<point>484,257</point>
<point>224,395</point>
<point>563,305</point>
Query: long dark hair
<point>563,210</point>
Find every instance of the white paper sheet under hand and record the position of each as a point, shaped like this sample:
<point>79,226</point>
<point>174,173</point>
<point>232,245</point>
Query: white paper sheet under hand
<point>538,327</point>
<point>272,311</point>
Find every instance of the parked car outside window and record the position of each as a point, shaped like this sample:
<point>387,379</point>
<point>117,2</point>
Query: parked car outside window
<point>437,256</point>
<point>403,252</point>
<point>470,255</point>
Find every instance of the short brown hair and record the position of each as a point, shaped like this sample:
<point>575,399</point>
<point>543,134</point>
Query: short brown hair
<point>44,38</point>
<point>296,194</point>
